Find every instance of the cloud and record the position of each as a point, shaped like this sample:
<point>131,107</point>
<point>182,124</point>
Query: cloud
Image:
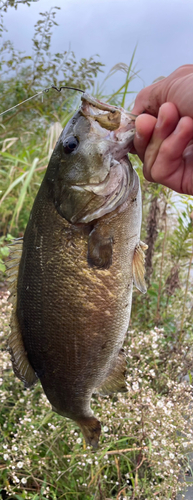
<point>162,30</point>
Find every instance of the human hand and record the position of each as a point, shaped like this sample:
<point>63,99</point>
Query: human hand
<point>162,141</point>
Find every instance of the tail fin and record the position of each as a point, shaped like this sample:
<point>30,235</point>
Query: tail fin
<point>91,429</point>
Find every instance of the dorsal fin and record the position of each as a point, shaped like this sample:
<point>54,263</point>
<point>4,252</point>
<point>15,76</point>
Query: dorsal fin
<point>21,366</point>
<point>115,380</point>
<point>139,266</point>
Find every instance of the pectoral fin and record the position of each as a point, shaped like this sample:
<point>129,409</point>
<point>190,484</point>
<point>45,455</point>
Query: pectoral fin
<point>139,267</point>
<point>115,381</point>
<point>21,366</point>
<point>100,250</point>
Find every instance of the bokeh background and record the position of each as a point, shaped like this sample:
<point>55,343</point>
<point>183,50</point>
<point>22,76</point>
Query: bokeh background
<point>162,31</point>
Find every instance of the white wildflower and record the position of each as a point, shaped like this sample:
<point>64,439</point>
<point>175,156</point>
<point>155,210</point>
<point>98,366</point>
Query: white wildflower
<point>135,386</point>
<point>20,465</point>
<point>6,456</point>
<point>23,480</point>
<point>160,404</point>
<point>79,440</point>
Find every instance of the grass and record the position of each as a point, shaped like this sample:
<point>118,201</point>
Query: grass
<point>145,436</point>
<point>147,433</point>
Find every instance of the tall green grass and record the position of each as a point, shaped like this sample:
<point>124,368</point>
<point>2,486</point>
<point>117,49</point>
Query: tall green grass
<point>147,433</point>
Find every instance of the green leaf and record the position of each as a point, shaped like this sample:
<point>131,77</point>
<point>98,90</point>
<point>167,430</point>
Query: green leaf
<point>152,292</point>
<point>4,251</point>
<point>2,266</point>
<point>23,191</point>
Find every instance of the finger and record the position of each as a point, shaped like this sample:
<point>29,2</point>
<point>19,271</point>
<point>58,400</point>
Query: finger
<point>187,179</point>
<point>152,97</point>
<point>166,123</point>
<point>173,156</point>
<point>144,128</point>
<point>180,93</point>
<point>148,100</point>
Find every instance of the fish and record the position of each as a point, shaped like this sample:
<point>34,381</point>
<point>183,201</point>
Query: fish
<point>71,276</point>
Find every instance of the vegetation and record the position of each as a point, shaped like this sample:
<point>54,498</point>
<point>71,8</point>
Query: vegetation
<point>148,432</point>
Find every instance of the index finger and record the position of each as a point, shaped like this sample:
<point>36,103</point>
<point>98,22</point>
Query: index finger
<point>174,88</point>
<point>148,100</point>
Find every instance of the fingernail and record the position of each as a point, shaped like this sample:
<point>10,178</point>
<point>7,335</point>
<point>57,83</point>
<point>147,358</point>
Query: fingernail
<point>138,136</point>
<point>160,120</point>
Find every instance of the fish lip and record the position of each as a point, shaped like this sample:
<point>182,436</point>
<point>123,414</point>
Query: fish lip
<point>124,137</point>
<point>86,98</point>
<point>104,106</point>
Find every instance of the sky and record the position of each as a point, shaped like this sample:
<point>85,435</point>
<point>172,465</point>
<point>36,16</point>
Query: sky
<point>162,31</point>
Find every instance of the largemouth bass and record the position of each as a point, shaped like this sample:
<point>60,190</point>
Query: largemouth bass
<point>81,252</point>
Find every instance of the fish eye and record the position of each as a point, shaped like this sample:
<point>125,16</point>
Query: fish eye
<point>70,144</point>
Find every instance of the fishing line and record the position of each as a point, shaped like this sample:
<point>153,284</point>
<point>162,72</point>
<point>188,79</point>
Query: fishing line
<point>64,87</point>
<point>39,93</point>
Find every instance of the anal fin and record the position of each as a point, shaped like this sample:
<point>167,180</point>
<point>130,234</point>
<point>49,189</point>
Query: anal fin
<point>115,381</point>
<point>21,366</point>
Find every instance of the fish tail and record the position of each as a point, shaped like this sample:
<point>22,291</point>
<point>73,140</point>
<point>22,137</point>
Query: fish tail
<point>91,429</point>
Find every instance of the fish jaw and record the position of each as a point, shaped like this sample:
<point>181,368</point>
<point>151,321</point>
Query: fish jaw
<point>106,118</point>
<point>102,174</point>
<point>112,192</point>
<point>113,129</point>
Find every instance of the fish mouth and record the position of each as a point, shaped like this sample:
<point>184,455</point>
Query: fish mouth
<point>93,107</point>
<point>111,124</point>
<point>112,118</point>
<point>115,128</point>
<point>109,184</point>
